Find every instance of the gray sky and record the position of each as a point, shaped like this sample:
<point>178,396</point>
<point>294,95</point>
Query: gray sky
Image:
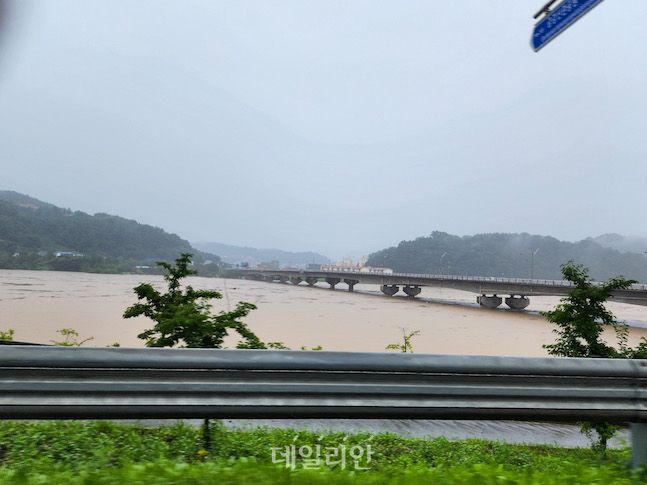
<point>337,126</point>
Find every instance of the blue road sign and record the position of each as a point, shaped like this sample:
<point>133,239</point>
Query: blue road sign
<point>559,19</point>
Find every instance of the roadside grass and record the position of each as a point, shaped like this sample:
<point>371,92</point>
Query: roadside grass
<point>104,452</point>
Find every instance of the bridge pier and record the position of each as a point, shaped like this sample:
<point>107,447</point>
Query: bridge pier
<point>332,282</point>
<point>351,284</point>
<point>311,281</point>
<point>412,291</point>
<point>390,290</point>
<point>489,301</point>
<point>296,280</point>
<point>517,302</point>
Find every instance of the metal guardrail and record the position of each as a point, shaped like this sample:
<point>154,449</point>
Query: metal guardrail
<point>57,382</point>
<point>14,342</point>
<point>116,383</point>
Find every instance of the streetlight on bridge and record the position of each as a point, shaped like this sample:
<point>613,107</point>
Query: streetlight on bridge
<point>532,263</point>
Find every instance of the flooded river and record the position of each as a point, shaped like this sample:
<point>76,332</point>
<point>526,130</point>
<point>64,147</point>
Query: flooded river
<point>37,303</point>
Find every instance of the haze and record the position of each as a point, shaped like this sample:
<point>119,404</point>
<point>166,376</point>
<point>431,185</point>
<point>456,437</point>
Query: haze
<point>334,126</point>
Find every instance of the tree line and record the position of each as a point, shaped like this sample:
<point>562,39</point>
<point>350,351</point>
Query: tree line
<point>507,255</point>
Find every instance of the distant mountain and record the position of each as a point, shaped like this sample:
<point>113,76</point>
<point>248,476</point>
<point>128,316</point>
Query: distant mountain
<point>238,254</point>
<point>625,244</point>
<point>32,232</point>
<point>509,255</point>
<point>23,200</point>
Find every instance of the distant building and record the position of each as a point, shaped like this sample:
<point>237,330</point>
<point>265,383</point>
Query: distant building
<point>68,254</point>
<point>269,265</point>
<point>348,266</point>
<point>313,267</point>
<point>369,269</point>
<point>344,266</point>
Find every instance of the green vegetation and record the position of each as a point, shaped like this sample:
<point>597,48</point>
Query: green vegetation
<point>581,318</point>
<point>33,232</point>
<point>70,338</point>
<point>7,334</point>
<point>183,315</point>
<point>507,255</point>
<point>406,346</point>
<point>108,453</point>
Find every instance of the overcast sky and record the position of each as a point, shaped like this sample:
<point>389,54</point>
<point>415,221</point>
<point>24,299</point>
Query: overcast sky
<point>336,126</point>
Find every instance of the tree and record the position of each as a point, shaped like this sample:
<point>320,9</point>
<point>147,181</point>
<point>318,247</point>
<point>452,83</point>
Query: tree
<point>183,316</point>
<point>581,318</point>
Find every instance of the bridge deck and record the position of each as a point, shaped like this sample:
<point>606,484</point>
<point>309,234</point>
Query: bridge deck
<point>482,285</point>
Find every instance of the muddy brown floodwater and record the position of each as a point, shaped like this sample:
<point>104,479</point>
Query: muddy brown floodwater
<point>37,303</point>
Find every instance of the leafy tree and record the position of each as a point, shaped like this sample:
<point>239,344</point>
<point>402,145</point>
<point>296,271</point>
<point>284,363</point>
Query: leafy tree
<point>183,315</point>
<point>582,315</point>
<point>581,318</point>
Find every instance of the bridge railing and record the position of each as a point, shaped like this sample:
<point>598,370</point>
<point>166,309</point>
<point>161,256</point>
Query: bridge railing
<point>80,383</point>
<point>475,279</point>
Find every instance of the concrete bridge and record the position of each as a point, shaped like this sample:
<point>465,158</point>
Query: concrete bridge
<point>491,292</point>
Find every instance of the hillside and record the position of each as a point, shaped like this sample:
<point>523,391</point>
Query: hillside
<point>32,232</point>
<point>509,255</point>
<point>238,254</point>
<point>625,244</point>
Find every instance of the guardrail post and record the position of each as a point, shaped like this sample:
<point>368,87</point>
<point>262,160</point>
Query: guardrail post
<point>638,444</point>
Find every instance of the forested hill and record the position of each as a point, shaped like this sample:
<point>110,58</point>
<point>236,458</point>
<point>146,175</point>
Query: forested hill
<point>625,244</point>
<point>509,255</point>
<point>31,231</point>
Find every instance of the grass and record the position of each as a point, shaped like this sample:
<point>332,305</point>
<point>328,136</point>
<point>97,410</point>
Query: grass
<point>101,452</point>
